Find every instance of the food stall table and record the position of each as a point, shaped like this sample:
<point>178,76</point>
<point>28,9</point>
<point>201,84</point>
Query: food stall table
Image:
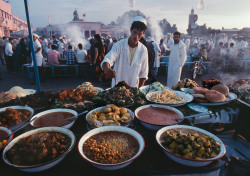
<point>153,160</point>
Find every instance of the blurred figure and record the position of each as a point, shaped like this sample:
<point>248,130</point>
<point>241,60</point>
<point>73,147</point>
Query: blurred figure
<point>9,59</point>
<point>163,48</point>
<point>111,44</point>
<point>53,56</point>
<point>169,41</point>
<point>81,54</point>
<point>202,52</point>
<point>99,55</point>
<point>187,43</point>
<point>177,59</point>
<point>20,54</point>
<point>194,53</point>
<point>157,51</point>
<point>70,56</point>
<point>232,62</point>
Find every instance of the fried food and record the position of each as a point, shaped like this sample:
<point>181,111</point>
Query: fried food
<point>166,96</point>
<point>215,96</point>
<point>222,89</point>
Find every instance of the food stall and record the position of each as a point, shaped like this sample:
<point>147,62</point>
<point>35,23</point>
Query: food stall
<point>227,128</point>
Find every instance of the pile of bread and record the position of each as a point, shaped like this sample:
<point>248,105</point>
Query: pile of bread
<point>216,94</point>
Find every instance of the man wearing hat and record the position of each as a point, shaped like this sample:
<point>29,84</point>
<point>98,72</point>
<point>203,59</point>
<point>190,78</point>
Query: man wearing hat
<point>38,50</point>
<point>169,41</point>
<point>129,57</point>
<point>177,58</point>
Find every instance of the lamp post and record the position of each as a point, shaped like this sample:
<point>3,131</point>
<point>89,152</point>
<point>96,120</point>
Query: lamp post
<point>32,47</point>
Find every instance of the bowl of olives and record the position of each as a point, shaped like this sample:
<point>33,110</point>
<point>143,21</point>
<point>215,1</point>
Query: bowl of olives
<point>189,145</point>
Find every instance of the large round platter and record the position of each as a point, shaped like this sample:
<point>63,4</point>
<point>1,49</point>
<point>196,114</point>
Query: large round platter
<point>43,166</point>
<point>231,96</point>
<point>185,161</point>
<point>69,125</point>
<point>143,89</point>
<point>13,128</point>
<point>115,166</point>
<point>154,126</point>
<point>31,91</point>
<point>187,97</point>
<point>90,126</point>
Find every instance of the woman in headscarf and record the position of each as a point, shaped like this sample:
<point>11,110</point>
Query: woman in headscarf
<point>20,54</point>
<point>99,55</point>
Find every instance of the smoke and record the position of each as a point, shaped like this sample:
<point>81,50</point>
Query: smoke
<point>156,31</point>
<point>231,77</point>
<point>75,35</point>
<point>131,3</point>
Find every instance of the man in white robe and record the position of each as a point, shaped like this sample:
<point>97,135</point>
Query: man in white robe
<point>129,58</point>
<point>177,59</point>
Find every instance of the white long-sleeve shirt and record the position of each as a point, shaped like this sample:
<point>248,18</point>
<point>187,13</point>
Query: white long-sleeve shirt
<point>8,49</point>
<point>130,73</point>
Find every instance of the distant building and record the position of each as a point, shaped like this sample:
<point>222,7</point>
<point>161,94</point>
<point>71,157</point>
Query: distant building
<point>88,29</point>
<point>8,21</point>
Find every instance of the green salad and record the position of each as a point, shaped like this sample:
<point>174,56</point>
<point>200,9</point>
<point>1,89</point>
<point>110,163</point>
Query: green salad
<point>156,86</point>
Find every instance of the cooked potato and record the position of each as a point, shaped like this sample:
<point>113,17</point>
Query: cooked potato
<point>123,110</point>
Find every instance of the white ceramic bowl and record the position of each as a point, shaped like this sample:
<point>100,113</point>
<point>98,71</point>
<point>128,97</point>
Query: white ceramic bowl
<point>69,125</point>
<point>9,139</point>
<point>100,108</point>
<point>44,166</point>
<point>187,97</point>
<point>185,161</point>
<point>154,126</point>
<point>116,166</point>
<point>13,128</point>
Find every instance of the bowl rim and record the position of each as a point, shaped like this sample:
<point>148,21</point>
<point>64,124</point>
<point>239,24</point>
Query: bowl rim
<point>102,107</point>
<point>31,110</point>
<point>189,96</point>
<point>159,133</point>
<point>51,111</point>
<point>160,106</point>
<point>112,128</point>
<point>7,130</point>
<point>67,132</point>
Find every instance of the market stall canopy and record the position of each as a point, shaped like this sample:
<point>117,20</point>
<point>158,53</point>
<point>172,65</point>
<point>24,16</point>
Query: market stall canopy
<point>21,33</point>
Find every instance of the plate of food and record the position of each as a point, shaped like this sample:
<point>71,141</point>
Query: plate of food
<point>20,92</point>
<point>39,149</point>
<point>156,86</point>
<point>155,116</point>
<point>87,86</point>
<point>217,95</point>
<point>168,97</point>
<point>190,146</point>
<point>13,117</point>
<point>185,83</point>
<point>110,115</point>
<point>120,96</point>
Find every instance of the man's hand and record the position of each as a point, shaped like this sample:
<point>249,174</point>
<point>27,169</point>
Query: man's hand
<point>108,71</point>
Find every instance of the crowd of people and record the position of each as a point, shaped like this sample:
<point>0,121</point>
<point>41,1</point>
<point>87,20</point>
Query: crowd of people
<point>220,50</point>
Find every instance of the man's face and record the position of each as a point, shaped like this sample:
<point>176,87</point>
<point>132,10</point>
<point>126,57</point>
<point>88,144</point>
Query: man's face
<point>136,35</point>
<point>34,38</point>
<point>177,38</point>
<point>11,41</point>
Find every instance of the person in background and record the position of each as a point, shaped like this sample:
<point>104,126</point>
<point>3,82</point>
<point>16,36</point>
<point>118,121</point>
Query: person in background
<point>169,41</point>
<point>81,54</point>
<point>151,60</point>
<point>202,52</point>
<point>99,55</point>
<point>53,56</point>
<point>9,59</point>
<point>233,64</point>
<point>177,59</point>
<point>61,45</point>
<point>70,56</point>
<point>157,51</point>
<point>55,41</point>
<point>129,57</point>
<point>187,43</point>
<point>20,54</point>
<point>48,49</point>
<point>163,48</point>
<point>194,52</point>
<point>39,57</point>
<point>111,44</point>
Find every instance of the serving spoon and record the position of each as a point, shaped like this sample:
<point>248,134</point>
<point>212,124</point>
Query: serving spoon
<point>195,115</point>
<point>4,137</point>
<point>77,115</point>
